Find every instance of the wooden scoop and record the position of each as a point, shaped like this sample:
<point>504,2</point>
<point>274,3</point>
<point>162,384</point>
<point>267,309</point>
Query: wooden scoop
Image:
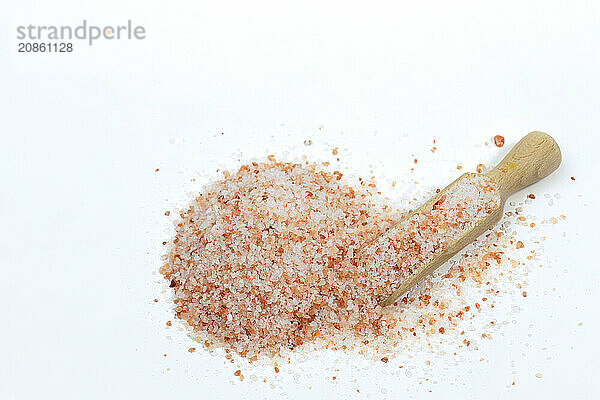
<point>535,156</point>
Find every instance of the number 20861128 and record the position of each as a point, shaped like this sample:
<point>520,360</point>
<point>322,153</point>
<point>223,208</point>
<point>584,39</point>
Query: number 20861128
<point>25,47</point>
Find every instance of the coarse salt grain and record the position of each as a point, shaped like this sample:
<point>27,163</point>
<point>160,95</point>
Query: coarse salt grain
<point>499,140</point>
<point>275,246</point>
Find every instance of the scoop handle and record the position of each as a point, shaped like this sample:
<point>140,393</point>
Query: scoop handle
<point>533,158</point>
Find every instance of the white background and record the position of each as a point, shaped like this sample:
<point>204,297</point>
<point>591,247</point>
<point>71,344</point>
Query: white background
<point>82,208</point>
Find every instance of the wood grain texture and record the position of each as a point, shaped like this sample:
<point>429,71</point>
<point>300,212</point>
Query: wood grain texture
<point>533,158</point>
